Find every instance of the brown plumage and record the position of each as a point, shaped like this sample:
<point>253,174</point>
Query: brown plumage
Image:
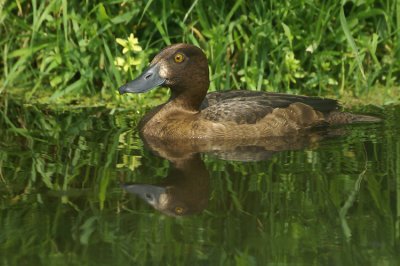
<point>192,114</point>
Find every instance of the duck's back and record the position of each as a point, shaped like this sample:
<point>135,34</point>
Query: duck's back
<point>249,107</point>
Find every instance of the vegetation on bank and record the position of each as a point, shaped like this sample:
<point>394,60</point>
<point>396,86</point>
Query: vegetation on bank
<point>73,52</point>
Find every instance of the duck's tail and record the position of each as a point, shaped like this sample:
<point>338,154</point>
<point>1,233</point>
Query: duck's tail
<point>338,118</point>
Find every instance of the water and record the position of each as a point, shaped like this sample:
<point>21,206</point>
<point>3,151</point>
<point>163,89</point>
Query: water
<point>67,178</point>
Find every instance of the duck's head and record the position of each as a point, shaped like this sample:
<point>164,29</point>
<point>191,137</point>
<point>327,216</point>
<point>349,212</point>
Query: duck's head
<point>167,200</point>
<point>181,67</point>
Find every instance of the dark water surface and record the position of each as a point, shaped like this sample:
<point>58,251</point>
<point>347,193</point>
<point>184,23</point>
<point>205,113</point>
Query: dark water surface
<point>66,178</point>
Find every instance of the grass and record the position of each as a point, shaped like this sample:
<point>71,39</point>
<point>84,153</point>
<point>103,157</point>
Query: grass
<point>63,52</point>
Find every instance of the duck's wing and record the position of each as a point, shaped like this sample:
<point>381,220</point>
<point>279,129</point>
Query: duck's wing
<point>238,111</point>
<point>268,99</point>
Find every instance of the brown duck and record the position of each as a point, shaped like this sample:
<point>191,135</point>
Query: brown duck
<point>192,114</point>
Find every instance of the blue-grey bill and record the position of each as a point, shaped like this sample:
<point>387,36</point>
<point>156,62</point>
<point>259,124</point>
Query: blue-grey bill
<point>148,80</point>
<point>149,193</point>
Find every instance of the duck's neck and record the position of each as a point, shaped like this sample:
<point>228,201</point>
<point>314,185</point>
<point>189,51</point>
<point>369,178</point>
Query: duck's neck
<point>188,98</point>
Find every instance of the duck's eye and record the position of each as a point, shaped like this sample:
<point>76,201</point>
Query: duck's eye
<point>178,210</point>
<point>179,58</point>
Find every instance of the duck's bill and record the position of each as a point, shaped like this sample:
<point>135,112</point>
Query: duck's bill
<point>149,193</point>
<point>148,80</point>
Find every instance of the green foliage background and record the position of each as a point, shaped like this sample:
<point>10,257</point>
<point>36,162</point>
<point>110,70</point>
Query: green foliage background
<point>63,51</point>
<point>60,172</point>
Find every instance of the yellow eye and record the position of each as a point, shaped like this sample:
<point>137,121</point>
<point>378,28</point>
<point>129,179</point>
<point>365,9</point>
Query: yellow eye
<point>178,210</point>
<point>179,58</point>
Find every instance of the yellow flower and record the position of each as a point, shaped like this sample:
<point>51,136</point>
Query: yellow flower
<point>122,42</point>
<point>134,44</point>
<point>130,44</point>
<point>119,61</point>
<point>133,61</point>
<point>124,64</point>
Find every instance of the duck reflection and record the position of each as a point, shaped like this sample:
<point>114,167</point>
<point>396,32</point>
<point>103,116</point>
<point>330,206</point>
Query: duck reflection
<point>186,188</point>
<point>242,150</point>
<point>184,191</point>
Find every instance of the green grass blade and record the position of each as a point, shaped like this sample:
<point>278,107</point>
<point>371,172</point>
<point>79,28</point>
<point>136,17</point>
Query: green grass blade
<point>351,42</point>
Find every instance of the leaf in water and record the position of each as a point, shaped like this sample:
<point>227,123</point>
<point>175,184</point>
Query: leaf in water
<point>131,162</point>
<point>105,180</point>
<point>87,230</point>
<point>76,157</point>
<point>233,194</point>
<point>46,177</point>
<point>244,259</point>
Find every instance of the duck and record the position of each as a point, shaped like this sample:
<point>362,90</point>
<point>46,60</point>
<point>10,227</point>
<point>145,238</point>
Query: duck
<point>192,114</point>
<point>184,191</point>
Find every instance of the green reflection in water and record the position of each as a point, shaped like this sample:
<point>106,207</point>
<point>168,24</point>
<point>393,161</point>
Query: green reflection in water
<point>334,203</point>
